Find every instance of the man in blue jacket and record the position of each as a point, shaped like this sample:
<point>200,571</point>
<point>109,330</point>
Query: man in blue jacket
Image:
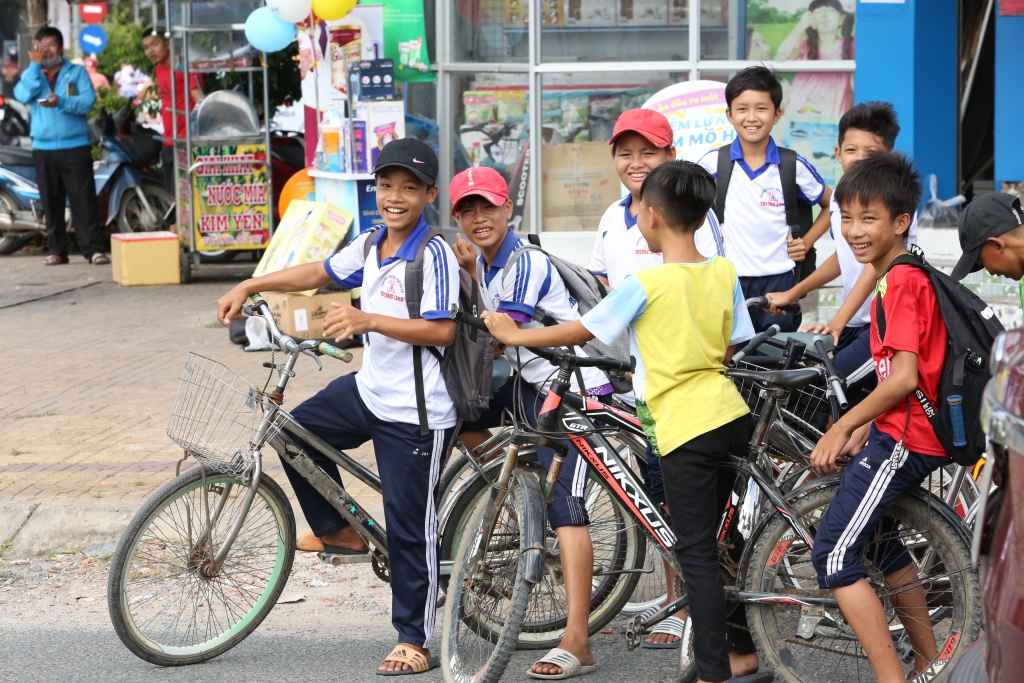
<point>61,94</point>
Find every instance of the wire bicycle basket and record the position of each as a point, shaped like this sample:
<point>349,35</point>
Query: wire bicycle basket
<point>809,404</point>
<point>216,415</point>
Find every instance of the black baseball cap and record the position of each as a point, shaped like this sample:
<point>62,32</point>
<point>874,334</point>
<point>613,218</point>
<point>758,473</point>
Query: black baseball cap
<point>412,154</point>
<point>989,215</point>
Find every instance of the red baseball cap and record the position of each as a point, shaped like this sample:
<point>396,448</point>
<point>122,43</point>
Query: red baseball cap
<point>481,181</point>
<point>647,122</point>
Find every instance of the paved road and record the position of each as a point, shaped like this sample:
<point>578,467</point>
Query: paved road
<point>55,627</point>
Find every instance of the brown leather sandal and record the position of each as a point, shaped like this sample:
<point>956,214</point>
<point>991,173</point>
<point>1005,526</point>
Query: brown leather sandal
<point>54,260</point>
<point>308,542</point>
<point>406,654</point>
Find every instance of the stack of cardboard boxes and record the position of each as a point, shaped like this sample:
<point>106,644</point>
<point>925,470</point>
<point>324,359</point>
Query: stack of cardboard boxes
<point>579,183</point>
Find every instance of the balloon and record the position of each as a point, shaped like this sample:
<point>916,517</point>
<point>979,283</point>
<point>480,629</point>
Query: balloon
<point>266,32</point>
<point>292,11</point>
<point>330,10</point>
<point>300,186</point>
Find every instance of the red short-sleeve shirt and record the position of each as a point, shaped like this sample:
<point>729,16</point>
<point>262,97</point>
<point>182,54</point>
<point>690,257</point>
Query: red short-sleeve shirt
<point>913,324</point>
<point>163,84</point>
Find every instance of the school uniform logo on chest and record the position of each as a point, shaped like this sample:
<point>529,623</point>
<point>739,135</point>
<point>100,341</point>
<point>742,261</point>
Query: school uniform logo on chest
<point>772,197</point>
<point>392,288</point>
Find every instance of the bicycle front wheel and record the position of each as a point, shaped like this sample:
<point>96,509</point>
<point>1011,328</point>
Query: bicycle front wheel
<point>166,603</point>
<point>488,591</point>
<point>801,645</point>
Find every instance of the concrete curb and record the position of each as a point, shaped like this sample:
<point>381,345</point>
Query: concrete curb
<point>33,530</point>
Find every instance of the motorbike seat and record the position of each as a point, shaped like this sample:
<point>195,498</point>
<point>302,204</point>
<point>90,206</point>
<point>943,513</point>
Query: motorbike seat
<point>16,156</point>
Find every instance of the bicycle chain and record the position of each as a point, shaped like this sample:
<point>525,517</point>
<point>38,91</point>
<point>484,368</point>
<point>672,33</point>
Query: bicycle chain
<point>381,566</point>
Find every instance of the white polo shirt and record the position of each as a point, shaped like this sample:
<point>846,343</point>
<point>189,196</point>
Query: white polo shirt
<point>850,267</point>
<point>386,383</point>
<point>621,249</point>
<point>755,225</point>
<point>534,284</point>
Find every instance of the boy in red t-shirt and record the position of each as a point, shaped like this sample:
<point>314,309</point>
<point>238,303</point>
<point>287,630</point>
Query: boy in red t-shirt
<point>158,51</point>
<point>878,197</point>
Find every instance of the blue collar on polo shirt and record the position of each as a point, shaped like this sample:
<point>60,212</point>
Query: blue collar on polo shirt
<point>508,245</point>
<point>771,157</point>
<point>630,218</point>
<point>407,251</point>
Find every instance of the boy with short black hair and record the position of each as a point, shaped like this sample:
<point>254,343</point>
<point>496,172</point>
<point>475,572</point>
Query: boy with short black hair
<point>758,237</point>
<point>381,401</point>
<point>863,129</point>
<point>684,319</point>
<point>519,284</point>
<point>992,237</point>
<point>878,197</point>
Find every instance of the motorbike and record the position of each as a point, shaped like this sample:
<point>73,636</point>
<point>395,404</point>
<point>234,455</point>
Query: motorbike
<point>131,194</point>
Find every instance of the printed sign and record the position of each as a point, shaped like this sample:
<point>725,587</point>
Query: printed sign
<point>92,12</point>
<point>230,198</point>
<point>92,39</point>
<point>696,110</point>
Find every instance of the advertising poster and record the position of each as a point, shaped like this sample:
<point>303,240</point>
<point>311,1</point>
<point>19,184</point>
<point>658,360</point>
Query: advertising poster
<point>816,142</point>
<point>696,110</point>
<point>405,41</point>
<point>230,197</point>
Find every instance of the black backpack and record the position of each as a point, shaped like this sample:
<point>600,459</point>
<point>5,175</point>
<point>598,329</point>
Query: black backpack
<point>971,329</point>
<point>467,364</point>
<point>799,215</point>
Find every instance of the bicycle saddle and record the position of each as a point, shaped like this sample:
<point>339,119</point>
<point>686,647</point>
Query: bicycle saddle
<point>788,379</point>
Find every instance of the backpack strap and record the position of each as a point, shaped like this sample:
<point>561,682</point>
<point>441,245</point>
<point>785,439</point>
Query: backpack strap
<point>722,181</point>
<point>787,174</point>
<point>413,299</point>
<point>368,244</point>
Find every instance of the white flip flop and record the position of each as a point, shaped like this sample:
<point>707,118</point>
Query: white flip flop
<point>673,626</point>
<point>567,661</point>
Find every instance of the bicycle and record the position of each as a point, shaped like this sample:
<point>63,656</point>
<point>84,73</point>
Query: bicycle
<point>205,559</point>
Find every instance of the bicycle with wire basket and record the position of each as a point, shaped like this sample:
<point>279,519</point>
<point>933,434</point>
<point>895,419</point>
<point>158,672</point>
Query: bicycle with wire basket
<point>205,559</point>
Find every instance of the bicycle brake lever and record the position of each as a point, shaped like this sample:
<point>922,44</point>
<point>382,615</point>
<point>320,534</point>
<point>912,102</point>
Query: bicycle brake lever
<point>314,357</point>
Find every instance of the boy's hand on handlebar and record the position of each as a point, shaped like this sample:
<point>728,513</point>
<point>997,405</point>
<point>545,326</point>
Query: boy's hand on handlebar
<point>346,320</point>
<point>230,305</point>
<point>501,327</point>
<point>776,300</point>
<point>465,254</point>
<point>823,330</point>
<point>797,248</point>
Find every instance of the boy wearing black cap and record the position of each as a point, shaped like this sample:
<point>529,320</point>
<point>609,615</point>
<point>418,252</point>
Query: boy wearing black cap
<point>410,428</point>
<point>992,237</point>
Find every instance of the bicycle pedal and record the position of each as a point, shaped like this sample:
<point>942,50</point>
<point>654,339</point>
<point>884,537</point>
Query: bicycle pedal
<point>336,560</point>
<point>634,634</point>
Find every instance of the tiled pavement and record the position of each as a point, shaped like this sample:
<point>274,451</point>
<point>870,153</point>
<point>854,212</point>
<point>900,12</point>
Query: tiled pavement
<point>91,372</point>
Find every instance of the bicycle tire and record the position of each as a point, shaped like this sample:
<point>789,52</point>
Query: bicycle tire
<point>621,546</point>
<point>953,595</point>
<point>476,646</point>
<point>143,552</point>
<point>687,671</point>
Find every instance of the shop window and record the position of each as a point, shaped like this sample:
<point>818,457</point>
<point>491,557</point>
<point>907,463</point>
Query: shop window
<point>487,31</point>
<point>614,30</point>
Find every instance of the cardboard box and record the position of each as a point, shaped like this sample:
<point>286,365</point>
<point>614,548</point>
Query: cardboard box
<point>145,258</point>
<point>570,223</point>
<point>308,232</point>
<point>385,121</point>
<point>578,179</point>
<point>300,316</point>
<point>643,13</point>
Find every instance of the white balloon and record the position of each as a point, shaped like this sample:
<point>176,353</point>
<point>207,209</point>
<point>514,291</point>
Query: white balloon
<point>292,11</point>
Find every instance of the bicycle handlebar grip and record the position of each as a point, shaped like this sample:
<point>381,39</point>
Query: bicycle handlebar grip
<point>460,316</point>
<point>755,342</point>
<point>833,380</point>
<point>334,352</point>
<point>762,302</point>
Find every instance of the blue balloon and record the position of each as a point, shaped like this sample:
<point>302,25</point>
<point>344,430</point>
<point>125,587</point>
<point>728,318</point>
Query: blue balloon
<point>266,32</point>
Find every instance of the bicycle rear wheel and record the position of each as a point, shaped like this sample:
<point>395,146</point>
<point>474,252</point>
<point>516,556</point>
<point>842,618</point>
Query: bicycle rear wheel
<point>488,592</point>
<point>823,648</point>
<point>166,605</point>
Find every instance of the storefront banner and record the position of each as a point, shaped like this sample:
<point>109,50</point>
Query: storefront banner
<point>230,197</point>
<point>405,41</point>
<point>696,110</point>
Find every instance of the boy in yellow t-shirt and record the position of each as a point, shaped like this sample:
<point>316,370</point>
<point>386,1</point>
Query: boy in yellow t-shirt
<point>684,319</point>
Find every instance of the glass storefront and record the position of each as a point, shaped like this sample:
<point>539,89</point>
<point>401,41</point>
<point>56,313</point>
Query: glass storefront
<point>528,85</point>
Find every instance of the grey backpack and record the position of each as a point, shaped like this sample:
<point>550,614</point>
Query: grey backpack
<point>467,364</point>
<point>584,287</point>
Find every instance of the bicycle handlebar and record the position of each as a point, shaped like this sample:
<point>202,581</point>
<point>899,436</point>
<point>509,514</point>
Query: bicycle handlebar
<point>834,383</point>
<point>259,307</point>
<point>762,302</point>
<point>755,342</point>
<point>554,356</point>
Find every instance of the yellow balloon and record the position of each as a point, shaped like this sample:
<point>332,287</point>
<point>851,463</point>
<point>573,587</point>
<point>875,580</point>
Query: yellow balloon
<point>330,10</point>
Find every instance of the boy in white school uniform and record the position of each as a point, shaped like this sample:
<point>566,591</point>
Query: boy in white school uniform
<point>758,237</point>
<point>379,402</point>
<point>865,128</point>
<point>519,283</point>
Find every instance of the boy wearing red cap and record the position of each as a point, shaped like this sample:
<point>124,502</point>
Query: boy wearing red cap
<point>521,285</point>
